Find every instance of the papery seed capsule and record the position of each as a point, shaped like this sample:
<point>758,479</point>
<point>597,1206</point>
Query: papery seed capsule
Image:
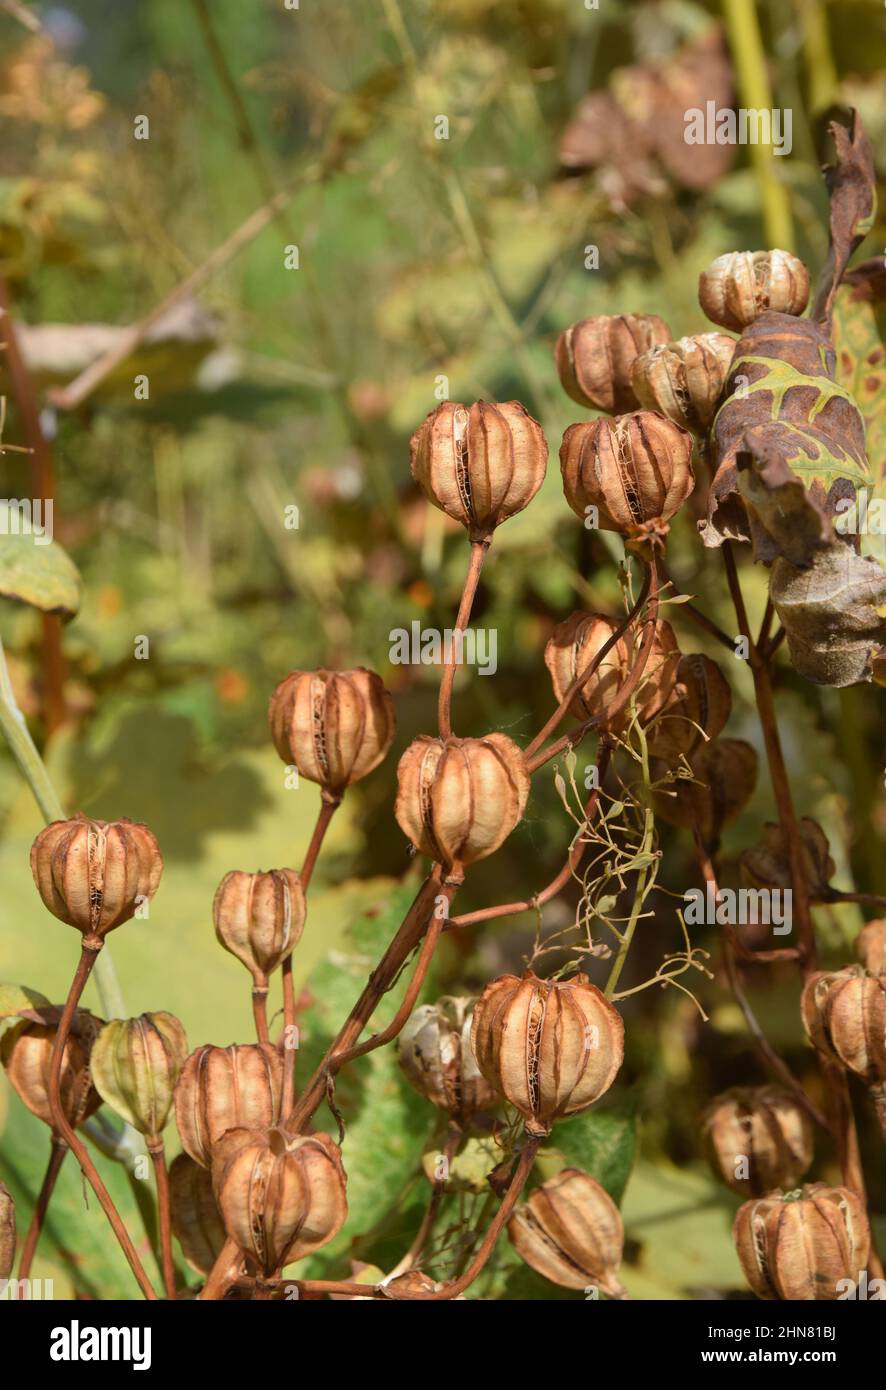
<point>435,1055</point>
<point>684,380</point>
<point>458,799</point>
<point>799,1246</point>
<point>281,1197</point>
<point>259,918</point>
<point>223,1088</point>
<point>724,774</point>
<point>335,726</point>
<point>595,358</point>
<point>136,1063</point>
<point>635,470</point>
<point>759,1138</point>
<point>7,1232</point>
<point>699,709</point>
<point>551,1047</point>
<point>481,464</point>
<point>768,865</point>
<point>573,646</point>
<point>196,1219</point>
<point>570,1232</point>
<point>95,874</point>
<point>26,1053</point>
<point>870,946</point>
<point>738,287</point>
<point>844,1014</point>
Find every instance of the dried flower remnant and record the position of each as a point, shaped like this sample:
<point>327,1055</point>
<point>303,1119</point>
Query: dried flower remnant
<point>95,874</point>
<point>136,1063</point>
<point>26,1053</point>
<point>574,644</point>
<point>196,1219</point>
<point>684,380</point>
<point>636,470</point>
<point>844,1014</point>
<point>759,1139</point>
<point>334,726</point>
<point>800,1245</point>
<point>223,1088</point>
<point>740,286</point>
<point>570,1232</point>
<point>436,1057</point>
<point>595,358</point>
<point>259,918</point>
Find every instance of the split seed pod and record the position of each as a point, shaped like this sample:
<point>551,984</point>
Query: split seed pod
<point>573,646</point>
<point>684,380</point>
<point>7,1233</point>
<point>435,1055</point>
<point>281,1197</point>
<point>259,918</point>
<point>335,726</point>
<point>724,775</point>
<point>635,469</point>
<point>759,1138</point>
<point>798,1246</point>
<point>698,710</point>
<point>136,1063</point>
<point>458,799</point>
<point>595,358</point>
<point>570,1232</point>
<point>844,1014</point>
<point>95,874</point>
<point>738,287</point>
<point>479,464</point>
<point>551,1047</point>
<point>224,1088</point>
<point>870,947</point>
<point>196,1219</point>
<point>26,1053</point>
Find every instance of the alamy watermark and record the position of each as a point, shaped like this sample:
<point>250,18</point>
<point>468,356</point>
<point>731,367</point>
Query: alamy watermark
<point>27,517</point>
<point>418,646</point>
<point>712,907</point>
<point>713,125</point>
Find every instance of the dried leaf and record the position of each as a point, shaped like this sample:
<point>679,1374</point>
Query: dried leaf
<point>829,611</point>
<point>852,186</point>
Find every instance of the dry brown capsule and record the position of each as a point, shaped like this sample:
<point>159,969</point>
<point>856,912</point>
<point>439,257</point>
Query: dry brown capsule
<point>799,1246</point>
<point>595,358</point>
<point>435,1055</point>
<point>281,1197</point>
<point>698,710</point>
<point>334,726</point>
<point>870,946</point>
<point>7,1233</point>
<point>759,1138</point>
<point>196,1219</point>
<point>551,1047</point>
<point>574,644</point>
<point>570,1232</point>
<point>738,287</point>
<point>767,865</point>
<point>95,874</point>
<point>634,471</point>
<point>481,464</point>
<point>223,1088</point>
<point>259,918</point>
<point>136,1063</point>
<point>684,380</point>
<point>724,774</point>
<point>459,798</point>
<point>844,1014</point>
<point>26,1053</point>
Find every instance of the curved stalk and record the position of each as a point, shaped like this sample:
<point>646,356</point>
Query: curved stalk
<point>58,1149</point>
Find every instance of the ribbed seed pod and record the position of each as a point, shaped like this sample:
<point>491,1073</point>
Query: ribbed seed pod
<point>573,646</point>
<point>738,287</point>
<point>7,1232</point>
<point>196,1219</point>
<point>95,874</point>
<point>767,865</point>
<point>699,709</point>
<point>26,1053</point>
<point>724,777</point>
<point>334,726</point>
<point>844,1014</point>
<point>224,1088</point>
<point>870,946</point>
<point>570,1232</point>
<point>551,1048</point>
<point>759,1138</point>
<point>136,1063</point>
<point>684,380</point>
<point>636,470</point>
<point>459,798</point>
<point>595,358</point>
<point>479,464</point>
<point>259,918</point>
<point>436,1057</point>
<point>798,1246</point>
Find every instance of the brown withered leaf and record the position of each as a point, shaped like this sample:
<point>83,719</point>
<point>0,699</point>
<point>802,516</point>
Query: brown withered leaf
<point>828,608</point>
<point>851,184</point>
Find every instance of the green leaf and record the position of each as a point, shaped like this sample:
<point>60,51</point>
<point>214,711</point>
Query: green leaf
<point>601,1142</point>
<point>34,569</point>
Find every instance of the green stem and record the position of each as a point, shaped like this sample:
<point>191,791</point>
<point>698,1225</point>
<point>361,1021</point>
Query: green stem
<point>821,71</point>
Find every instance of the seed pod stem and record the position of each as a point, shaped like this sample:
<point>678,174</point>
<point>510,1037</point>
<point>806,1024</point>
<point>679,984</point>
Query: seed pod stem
<point>260,1011</point>
<point>479,549</point>
<point>157,1151</point>
<point>57,1150</point>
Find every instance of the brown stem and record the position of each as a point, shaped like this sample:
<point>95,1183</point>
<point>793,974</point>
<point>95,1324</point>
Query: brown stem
<point>57,1150</point>
<point>164,1211</point>
<point>224,1273</point>
<point>479,550</point>
<point>260,1012</point>
<point>413,1255</point>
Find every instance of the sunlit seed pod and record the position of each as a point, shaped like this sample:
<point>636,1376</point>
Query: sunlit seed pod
<point>801,1245</point>
<point>870,946</point>
<point>479,464</point>
<point>684,380</point>
<point>844,1014</point>
<point>436,1057</point>
<point>196,1219</point>
<point>634,470</point>
<point>698,710</point>
<point>259,918</point>
<point>570,1232</point>
<point>222,1088</point>
<point>136,1063</point>
<point>738,287</point>
<point>595,358</point>
<point>573,646</point>
<point>333,726</point>
<point>724,775</point>
<point>7,1232</point>
<point>26,1053</point>
<point>550,1047</point>
<point>95,874</point>
<point>759,1138</point>
<point>768,865</point>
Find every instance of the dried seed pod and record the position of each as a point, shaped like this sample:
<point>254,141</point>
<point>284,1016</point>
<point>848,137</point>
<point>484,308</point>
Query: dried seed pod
<point>335,726</point>
<point>767,865</point>
<point>196,1219</point>
<point>698,710</point>
<point>870,946</point>
<point>798,1246</point>
<point>551,1047</point>
<point>570,1232</point>
<point>259,918</point>
<point>223,1088</point>
<point>479,464</point>
<point>435,1055</point>
<point>738,287</point>
<point>136,1063</point>
<point>573,646</point>
<point>7,1232</point>
<point>684,380</point>
<point>459,798</point>
<point>595,358</point>
<point>759,1138</point>
<point>26,1053</point>
<point>724,775</point>
<point>844,1014</point>
<point>281,1196</point>
<point>95,874</point>
<point>635,470</point>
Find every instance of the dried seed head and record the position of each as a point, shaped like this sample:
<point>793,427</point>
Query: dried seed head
<point>551,1047</point>
<point>570,1232</point>
<point>595,358</point>
<point>196,1219</point>
<point>724,774</point>
<point>844,1014</point>
<point>635,469</point>
<point>738,287</point>
<point>573,646</point>
<point>684,380</point>
<point>136,1063</point>
<point>335,726</point>
<point>799,1245</point>
<point>223,1088</point>
<point>759,1138</point>
<point>7,1233</point>
<point>870,946</point>
<point>699,708</point>
<point>435,1055</point>
<point>95,874</point>
<point>459,798</point>
<point>479,464</point>
<point>26,1053</point>
<point>259,918</point>
<point>767,865</point>
<point>281,1197</point>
